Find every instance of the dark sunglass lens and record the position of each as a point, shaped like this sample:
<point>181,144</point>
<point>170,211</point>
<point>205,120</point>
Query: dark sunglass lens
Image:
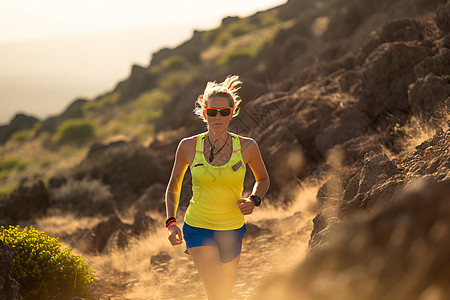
<point>225,112</point>
<point>211,112</point>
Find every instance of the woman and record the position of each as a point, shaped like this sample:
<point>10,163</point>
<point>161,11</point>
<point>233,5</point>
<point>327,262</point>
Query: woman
<point>214,225</point>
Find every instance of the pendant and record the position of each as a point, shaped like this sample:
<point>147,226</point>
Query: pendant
<point>211,156</point>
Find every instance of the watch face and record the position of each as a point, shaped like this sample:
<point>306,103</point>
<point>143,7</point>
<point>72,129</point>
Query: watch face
<point>256,200</point>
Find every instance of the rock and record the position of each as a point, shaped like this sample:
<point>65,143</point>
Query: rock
<point>402,30</point>
<point>399,252</point>
<point>73,111</point>
<point>152,199</point>
<point>429,98</point>
<point>94,241</point>
<point>252,231</point>
<point>438,65</point>
<point>56,182</point>
<point>348,125</point>
<point>98,148</point>
<point>19,122</point>
<point>371,184</point>
<point>112,234</point>
<point>286,163</point>
<point>117,240</point>
<point>160,259</point>
<point>379,180</point>
<point>25,202</point>
<point>330,191</point>
<point>385,77</point>
<point>128,168</point>
<point>442,17</point>
<point>104,230</point>
<point>142,223</point>
<point>9,288</point>
<point>319,224</point>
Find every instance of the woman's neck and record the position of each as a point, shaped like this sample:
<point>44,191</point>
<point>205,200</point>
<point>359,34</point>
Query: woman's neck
<point>221,137</point>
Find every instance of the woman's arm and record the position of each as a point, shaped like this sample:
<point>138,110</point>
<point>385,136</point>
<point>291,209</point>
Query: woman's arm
<point>259,170</point>
<point>172,197</point>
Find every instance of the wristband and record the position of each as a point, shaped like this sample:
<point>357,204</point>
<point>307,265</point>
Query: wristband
<point>171,224</point>
<point>170,220</point>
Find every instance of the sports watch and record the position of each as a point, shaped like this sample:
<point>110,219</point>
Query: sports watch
<point>256,200</point>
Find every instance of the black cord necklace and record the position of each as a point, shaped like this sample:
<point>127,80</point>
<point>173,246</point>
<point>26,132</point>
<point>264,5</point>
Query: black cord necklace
<point>211,152</point>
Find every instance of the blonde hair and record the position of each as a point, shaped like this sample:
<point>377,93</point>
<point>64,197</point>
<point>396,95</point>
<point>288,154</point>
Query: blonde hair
<point>228,89</point>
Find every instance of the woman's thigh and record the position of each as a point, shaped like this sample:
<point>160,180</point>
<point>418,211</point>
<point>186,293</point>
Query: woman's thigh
<point>217,277</point>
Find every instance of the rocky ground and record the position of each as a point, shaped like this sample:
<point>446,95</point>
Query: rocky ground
<point>271,247</point>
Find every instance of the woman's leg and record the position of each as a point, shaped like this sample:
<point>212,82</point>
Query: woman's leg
<point>217,277</point>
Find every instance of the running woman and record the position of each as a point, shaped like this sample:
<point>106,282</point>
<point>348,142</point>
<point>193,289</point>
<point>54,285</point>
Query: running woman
<point>214,224</point>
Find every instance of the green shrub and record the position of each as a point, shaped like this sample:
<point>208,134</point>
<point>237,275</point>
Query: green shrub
<point>154,99</point>
<point>234,29</point>
<point>7,165</point>
<point>101,103</point>
<point>74,130</point>
<point>173,80</point>
<point>88,197</point>
<point>234,55</point>
<point>42,268</point>
<point>210,36</point>
<point>174,62</point>
<point>267,20</point>
<point>240,53</point>
<point>21,135</point>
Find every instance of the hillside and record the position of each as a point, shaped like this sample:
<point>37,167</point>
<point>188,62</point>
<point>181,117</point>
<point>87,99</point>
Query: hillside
<point>349,102</point>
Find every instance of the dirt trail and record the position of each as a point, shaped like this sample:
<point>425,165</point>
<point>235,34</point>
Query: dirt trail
<point>278,245</point>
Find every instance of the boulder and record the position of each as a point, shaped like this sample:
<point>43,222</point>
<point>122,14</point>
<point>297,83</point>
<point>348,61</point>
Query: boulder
<point>94,241</point>
<point>438,65</point>
<point>152,199</point>
<point>112,234</point>
<point>400,252</point>
<point>350,124</point>
<point>142,223</point>
<point>385,77</point>
<point>128,168</point>
<point>9,288</point>
<point>25,202</point>
<point>374,184</point>
<point>429,98</point>
<point>442,17</point>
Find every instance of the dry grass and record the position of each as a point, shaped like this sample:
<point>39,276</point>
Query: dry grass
<point>128,274</point>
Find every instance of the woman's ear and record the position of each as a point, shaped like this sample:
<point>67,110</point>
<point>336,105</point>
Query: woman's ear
<point>204,113</point>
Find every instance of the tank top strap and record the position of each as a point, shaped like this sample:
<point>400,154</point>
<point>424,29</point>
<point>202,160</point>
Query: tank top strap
<point>200,143</point>
<point>236,143</point>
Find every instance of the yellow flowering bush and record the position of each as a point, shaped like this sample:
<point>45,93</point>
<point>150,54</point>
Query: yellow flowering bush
<point>43,269</point>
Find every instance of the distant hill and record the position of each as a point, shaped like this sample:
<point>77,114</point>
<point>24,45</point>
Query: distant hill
<point>335,57</point>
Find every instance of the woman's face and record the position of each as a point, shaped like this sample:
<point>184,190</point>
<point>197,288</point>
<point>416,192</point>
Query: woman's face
<point>219,122</point>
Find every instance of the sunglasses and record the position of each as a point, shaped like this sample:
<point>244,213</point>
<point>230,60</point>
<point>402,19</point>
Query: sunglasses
<point>224,111</point>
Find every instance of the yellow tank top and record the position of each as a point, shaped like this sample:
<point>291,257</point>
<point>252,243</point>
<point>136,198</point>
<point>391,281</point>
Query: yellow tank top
<point>215,190</point>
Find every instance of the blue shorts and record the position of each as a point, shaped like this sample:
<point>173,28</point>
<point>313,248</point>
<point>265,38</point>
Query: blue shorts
<point>229,242</point>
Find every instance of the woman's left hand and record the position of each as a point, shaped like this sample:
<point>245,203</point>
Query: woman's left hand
<point>246,205</point>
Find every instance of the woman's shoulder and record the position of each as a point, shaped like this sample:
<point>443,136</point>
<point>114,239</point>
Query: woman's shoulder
<point>189,141</point>
<point>245,141</point>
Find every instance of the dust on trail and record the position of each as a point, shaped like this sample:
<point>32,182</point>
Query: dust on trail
<point>280,245</point>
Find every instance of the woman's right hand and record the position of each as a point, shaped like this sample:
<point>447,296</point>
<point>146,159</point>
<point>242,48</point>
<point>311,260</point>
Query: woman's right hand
<point>175,235</point>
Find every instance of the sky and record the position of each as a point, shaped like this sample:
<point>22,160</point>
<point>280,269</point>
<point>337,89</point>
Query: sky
<point>53,52</point>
